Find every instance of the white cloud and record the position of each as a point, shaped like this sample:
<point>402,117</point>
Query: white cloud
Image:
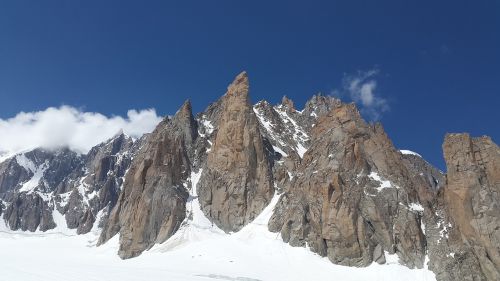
<point>67,126</point>
<point>361,88</point>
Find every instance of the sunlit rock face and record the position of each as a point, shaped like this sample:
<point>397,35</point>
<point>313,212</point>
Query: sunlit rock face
<point>236,184</point>
<point>342,189</point>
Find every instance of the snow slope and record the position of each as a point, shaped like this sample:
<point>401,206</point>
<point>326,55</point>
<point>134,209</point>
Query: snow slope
<point>198,251</point>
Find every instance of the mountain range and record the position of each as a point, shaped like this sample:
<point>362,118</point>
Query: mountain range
<point>336,184</point>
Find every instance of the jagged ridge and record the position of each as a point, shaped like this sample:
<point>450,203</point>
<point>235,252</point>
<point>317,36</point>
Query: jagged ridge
<point>345,191</point>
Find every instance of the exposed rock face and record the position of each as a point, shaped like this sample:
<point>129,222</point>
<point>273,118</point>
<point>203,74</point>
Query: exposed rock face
<point>11,175</point>
<point>287,131</point>
<point>53,166</point>
<point>29,212</point>
<point>279,126</point>
<point>236,183</point>
<point>351,200</point>
<point>316,107</point>
<point>30,180</point>
<point>152,204</point>
<point>345,191</point>
<point>98,190</point>
<point>418,167</point>
<point>39,182</point>
<point>466,243</point>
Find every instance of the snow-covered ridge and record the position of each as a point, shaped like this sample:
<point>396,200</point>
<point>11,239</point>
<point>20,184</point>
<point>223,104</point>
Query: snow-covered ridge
<point>297,134</point>
<point>33,182</point>
<point>268,126</point>
<point>4,156</point>
<point>30,167</point>
<point>26,163</point>
<point>409,152</point>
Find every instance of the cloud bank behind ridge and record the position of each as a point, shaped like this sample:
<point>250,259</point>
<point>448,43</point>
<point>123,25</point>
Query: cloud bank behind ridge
<point>67,126</point>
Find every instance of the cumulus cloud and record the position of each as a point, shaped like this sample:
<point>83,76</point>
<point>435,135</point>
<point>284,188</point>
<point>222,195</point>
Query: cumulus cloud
<point>361,89</point>
<point>67,126</point>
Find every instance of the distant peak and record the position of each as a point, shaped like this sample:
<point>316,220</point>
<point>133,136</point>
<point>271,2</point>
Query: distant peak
<point>285,101</point>
<point>320,97</point>
<point>118,134</point>
<point>262,102</point>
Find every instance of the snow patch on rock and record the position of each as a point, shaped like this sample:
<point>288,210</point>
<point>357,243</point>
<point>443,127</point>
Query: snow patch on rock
<point>25,162</point>
<point>409,152</point>
<point>299,135</point>
<point>416,207</point>
<point>33,182</point>
<point>277,149</point>
<point>383,183</point>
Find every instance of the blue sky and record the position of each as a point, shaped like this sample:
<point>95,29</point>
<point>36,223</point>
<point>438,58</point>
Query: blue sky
<point>435,64</point>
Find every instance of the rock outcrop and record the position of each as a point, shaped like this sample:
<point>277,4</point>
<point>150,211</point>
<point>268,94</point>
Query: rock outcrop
<point>82,188</point>
<point>29,181</point>
<point>465,243</point>
<point>152,204</point>
<point>344,190</point>
<point>98,189</point>
<point>352,200</point>
<point>236,183</point>
<point>29,212</point>
<point>418,167</point>
<point>11,176</point>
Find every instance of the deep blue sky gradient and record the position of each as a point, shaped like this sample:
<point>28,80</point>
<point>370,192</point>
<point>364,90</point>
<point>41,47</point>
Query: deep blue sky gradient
<point>439,61</point>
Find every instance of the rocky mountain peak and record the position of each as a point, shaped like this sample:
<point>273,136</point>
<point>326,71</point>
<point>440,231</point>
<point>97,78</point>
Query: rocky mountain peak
<point>465,154</point>
<point>288,103</point>
<point>320,104</point>
<point>352,185</point>
<point>152,203</point>
<point>236,183</point>
<point>474,169</point>
<point>342,189</point>
<point>118,134</point>
<point>239,87</point>
<point>344,116</point>
<point>185,122</point>
<point>463,230</point>
<point>113,145</point>
<point>185,111</point>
